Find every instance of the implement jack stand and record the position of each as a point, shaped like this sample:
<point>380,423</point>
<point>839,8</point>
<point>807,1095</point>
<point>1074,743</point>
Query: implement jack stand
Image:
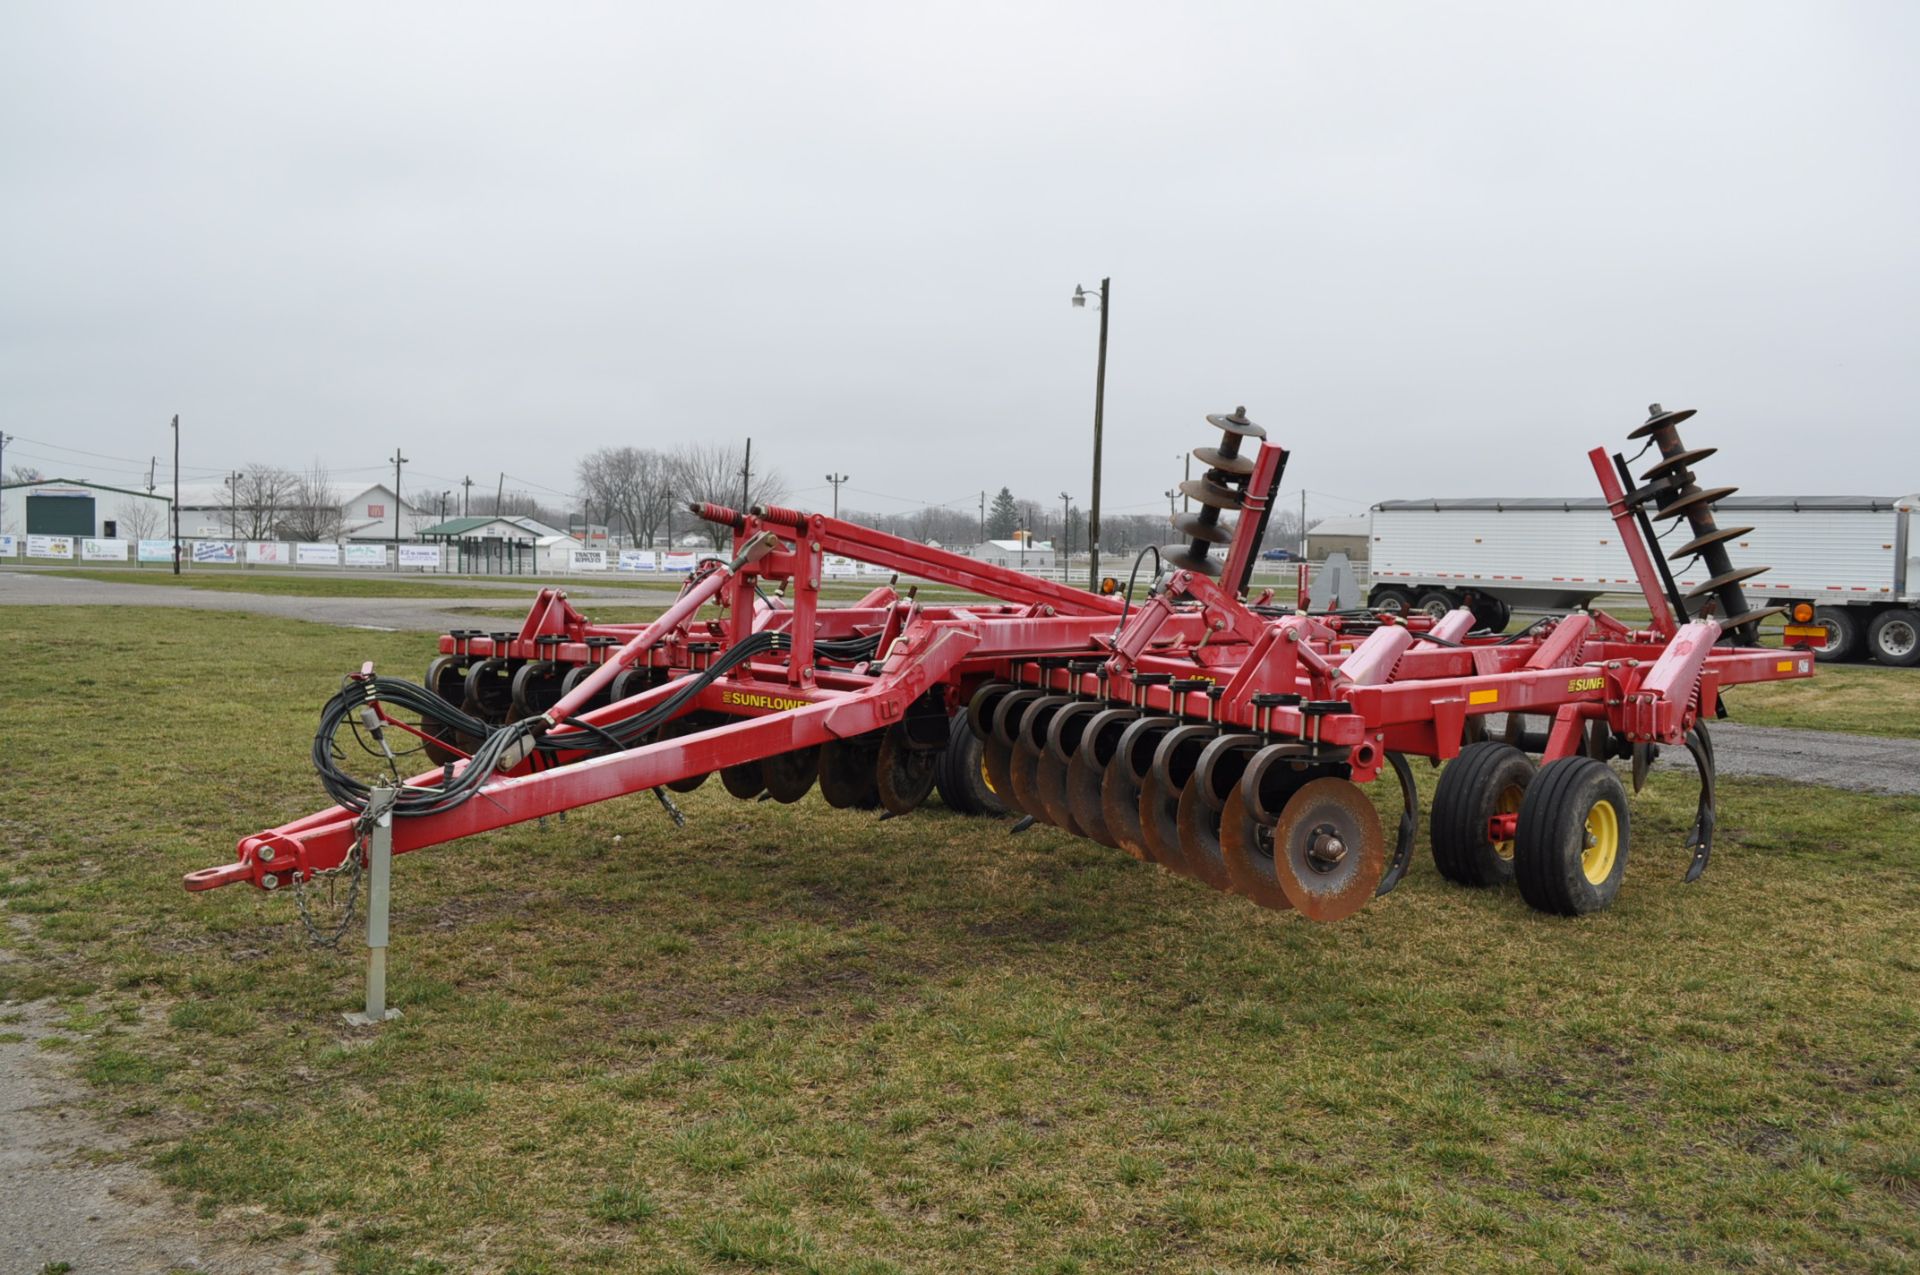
<point>379,893</point>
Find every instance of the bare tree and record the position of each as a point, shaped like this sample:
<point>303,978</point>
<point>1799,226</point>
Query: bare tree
<point>27,474</point>
<point>139,520</point>
<point>631,484</point>
<point>261,497</point>
<point>313,512</point>
<point>714,472</point>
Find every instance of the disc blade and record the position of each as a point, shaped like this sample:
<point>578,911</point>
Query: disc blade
<point>846,773</point>
<point>745,781</point>
<point>903,774</point>
<point>1087,772</point>
<point>1199,829</point>
<point>1246,848</point>
<point>1214,458</point>
<point>1328,849</point>
<point>789,776</point>
<point>1120,788</point>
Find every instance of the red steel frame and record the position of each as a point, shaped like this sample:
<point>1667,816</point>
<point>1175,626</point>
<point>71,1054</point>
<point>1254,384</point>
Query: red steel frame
<point>1363,687</point>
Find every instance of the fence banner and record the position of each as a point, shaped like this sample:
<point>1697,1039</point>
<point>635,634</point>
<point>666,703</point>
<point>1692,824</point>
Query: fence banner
<point>677,561</point>
<point>366,555</point>
<point>103,551</point>
<point>155,551</point>
<point>840,568</point>
<point>8,547</point>
<point>316,555</point>
<point>869,569</point>
<point>50,546</point>
<point>215,551</point>
<point>420,556</point>
<point>587,560</point>
<point>638,560</point>
<point>271,551</point>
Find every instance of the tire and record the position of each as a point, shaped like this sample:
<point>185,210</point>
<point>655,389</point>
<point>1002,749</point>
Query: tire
<point>1894,637</point>
<point>1570,851</point>
<point>1390,598</point>
<point>1490,613</point>
<point>1436,602</point>
<point>962,774</point>
<point>1843,634</point>
<point>1486,779</point>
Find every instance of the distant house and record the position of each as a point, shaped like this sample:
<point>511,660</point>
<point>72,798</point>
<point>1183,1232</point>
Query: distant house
<point>510,544</point>
<point>1349,535</point>
<point>1021,555</point>
<point>76,507</point>
<point>370,516</point>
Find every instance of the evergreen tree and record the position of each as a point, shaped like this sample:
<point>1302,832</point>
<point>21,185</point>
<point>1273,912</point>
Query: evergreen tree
<point>1003,517</point>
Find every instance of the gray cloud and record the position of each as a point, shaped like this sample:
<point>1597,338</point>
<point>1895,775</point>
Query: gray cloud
<point>1436,249</point>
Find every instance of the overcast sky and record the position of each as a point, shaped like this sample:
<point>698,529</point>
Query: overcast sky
<point>1435,249</point>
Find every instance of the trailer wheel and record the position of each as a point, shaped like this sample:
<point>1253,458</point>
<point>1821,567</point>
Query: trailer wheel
<point>1485,780</point>
<point>962,774</point>
<point>1894,638</point>
<point>1570,850</point>
<point>1490,613</point>
<point>1843,634</point>
<point>1392,599</point>
<point>1436,603</point>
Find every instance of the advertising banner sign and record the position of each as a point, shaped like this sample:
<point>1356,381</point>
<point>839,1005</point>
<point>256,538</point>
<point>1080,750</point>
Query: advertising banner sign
<point>50,546</point>
<point>215,551</point>
<point>103,551</point>
<point>420,556</point>
<point>840,568</point>
<point>638,560</point>
<point>588,559</point>
<point>8,547</point>
<point>366,555</point>
<point>269,551</point>
<point>678,561</point>
<point>869,569</point>
<point>316,555</point>
<point>156,551</point>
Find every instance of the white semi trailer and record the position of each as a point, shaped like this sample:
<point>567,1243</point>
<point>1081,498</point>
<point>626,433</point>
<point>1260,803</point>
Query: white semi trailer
<point>1848,564</point>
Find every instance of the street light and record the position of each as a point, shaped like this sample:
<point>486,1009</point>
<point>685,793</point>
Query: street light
<point>1066,534</point>
<point>1104,299</point>
<point>836,480</point>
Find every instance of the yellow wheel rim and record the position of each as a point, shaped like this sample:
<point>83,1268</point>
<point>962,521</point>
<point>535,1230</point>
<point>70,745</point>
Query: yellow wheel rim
<point>1603,842</point>
<point>986,776</point>
<point>1509,804</point>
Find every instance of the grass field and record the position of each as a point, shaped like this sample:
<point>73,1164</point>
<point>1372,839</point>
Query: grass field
<point>793,1039</point>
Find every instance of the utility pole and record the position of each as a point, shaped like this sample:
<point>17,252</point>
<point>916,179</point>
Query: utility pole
<point>153,463</point>
<point>176,494</point>
<point>4,440</point>
<point>836,480</point>
<point>746,480</point>
<point>1099,412</point>
<point>1066,537</point>
<point>233,518</point>
<point>466,496</point>
<point>398,460</point>
<point>500,496</point>
<point>1303,524</point>
<point>983,517</point>
<point>1186,501</point>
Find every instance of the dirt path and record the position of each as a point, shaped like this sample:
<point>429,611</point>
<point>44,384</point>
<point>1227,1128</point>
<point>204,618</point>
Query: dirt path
<point>20,588</point>
<point>68,1195</point>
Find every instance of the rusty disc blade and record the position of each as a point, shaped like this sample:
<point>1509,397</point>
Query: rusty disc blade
<point>1659,419</point>
<point>1050,787</point>
<point>903,774</point>
<point>1677,461</point>
<point>1328,850</point>
<point>981,708</point>
<point>1199,828</point>
<point>673,730</point>
<point>1200,527</point>
<point>1160,824</point>
<point>1120,789</point>
<point>1087,771</point>
<point>789,776</point>
<point>1212,495</point>
<point>1721,581</point>
<point>1236,422</point>
<point>846,773</point>
<point>1699,498</point>
<point>745,781</point>
<point>1246,848</point>
<point>1178,556</point>
<point>1214,458</point>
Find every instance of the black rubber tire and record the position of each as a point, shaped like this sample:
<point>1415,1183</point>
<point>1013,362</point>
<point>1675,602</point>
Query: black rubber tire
<point>1391,598</point>
<point>1551,843</point>
<point>1894,638</point>
<point>961,776</point>
<point>1469,794</point>
<point>1436,602</point>
<point>1843,634</point>
<point>1490,613</point>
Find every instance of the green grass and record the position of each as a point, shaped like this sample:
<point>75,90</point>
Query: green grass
<point>312,586</point>
<point>1860,699</point>
<point>794,1039</point>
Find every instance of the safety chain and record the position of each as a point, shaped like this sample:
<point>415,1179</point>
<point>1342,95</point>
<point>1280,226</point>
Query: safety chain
<point>354,865</point>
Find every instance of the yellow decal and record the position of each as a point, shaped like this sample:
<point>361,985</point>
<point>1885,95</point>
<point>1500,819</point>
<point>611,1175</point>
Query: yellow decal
<point>1784,666</point>
<point>1483,697</point>
<point>1579,684</point>
<point>741,699</point>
